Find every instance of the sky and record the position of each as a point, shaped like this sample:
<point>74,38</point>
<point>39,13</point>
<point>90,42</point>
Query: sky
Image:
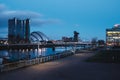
<point>57,18</point>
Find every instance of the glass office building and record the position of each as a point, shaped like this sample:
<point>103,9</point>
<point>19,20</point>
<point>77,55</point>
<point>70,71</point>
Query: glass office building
<point>18,31</point>
<point>113,36</point>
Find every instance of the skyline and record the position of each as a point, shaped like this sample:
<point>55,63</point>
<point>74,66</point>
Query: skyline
<point>61,18</point>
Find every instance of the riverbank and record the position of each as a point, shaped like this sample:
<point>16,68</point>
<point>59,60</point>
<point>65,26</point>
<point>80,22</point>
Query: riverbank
<point>30,62</point>
<point>106,56</point>
<point>69,68</point>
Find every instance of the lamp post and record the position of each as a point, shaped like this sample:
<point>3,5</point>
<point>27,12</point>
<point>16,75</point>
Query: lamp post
<point>37,50</point>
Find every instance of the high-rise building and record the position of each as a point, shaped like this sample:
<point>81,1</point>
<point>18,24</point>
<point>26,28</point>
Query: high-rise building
<point>18,31</point>
<point>113,36</point>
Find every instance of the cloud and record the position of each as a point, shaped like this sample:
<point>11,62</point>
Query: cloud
<point>39,22</point>
<point>2,7</point>
<point>20,14</point>
<point>6,14</point>
<point>76,25</point>
<point>36,19</point>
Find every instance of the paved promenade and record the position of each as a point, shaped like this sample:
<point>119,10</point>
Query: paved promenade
<point>69,68</point>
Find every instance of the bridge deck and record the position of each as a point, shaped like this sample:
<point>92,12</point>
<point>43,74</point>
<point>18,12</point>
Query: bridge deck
<point>46,45</point>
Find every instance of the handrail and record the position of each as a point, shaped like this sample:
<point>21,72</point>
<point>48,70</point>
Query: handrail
<point>24,63</point>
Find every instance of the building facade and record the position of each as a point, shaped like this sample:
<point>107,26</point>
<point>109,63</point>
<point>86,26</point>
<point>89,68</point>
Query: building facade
<point>76,38</point>
<point>67,39</point>
<point>18,31</point>
<point>113,36</point>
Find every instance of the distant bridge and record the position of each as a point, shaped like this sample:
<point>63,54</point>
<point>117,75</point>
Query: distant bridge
<point>45,45</point>
<point>40,40</point>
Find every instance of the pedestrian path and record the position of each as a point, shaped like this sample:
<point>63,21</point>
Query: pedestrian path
<point>69,68</point>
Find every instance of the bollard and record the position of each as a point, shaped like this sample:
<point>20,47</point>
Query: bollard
<point>48,58</point>
<point>1,67</point>
<point>44,59</point>
<point>54,57</point>
<point>41,60</point>
<point>51,58</point>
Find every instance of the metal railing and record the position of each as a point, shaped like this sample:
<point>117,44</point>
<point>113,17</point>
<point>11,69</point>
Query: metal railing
<point>24,63</point>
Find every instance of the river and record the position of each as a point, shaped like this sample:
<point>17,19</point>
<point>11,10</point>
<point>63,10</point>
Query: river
<point>16,55</point>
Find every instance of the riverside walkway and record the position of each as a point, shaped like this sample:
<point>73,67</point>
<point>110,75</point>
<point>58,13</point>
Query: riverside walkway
<point>69,68</point>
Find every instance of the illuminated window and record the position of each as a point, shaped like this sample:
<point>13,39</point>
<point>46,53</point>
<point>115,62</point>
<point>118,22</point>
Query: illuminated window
<point>109,34</point>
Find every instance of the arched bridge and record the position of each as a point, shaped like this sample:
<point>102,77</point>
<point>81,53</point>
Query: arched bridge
<point>38,36</point>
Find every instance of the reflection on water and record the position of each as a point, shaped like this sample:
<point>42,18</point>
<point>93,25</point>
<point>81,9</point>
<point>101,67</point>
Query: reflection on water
<point>15,55</point>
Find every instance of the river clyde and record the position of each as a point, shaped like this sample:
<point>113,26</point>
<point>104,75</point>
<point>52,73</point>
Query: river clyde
<point>16,55</point>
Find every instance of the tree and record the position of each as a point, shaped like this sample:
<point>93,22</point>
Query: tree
<point>101,42</point>
<point>94,41</point>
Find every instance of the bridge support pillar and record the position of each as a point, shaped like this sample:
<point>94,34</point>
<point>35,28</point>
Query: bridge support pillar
<point>53,48</point>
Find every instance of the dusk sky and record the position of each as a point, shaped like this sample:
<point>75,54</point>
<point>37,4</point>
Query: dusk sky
<point>57,18</point>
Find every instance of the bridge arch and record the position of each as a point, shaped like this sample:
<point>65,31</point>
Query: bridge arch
<point>38,36</point>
